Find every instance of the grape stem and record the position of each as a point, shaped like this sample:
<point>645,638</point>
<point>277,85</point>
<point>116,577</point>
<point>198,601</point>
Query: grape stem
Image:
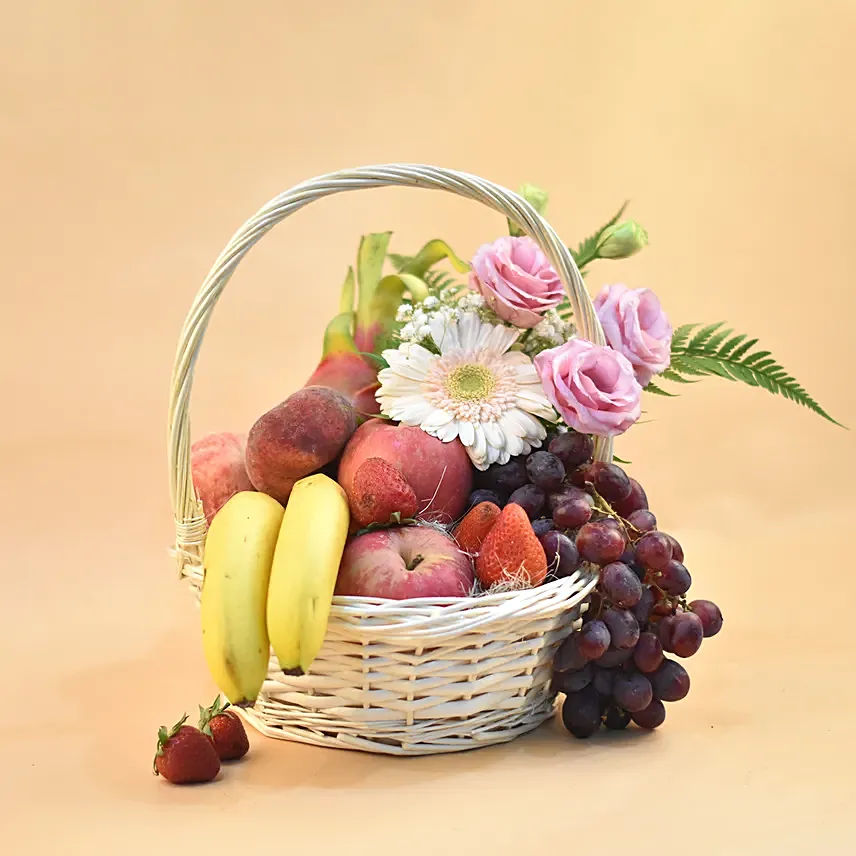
<point>603,507</point>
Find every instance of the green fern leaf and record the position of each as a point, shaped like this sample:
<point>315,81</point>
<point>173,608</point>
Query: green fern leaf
<point>713,350</point>
<point>656,390</point>
<point>680,336</point>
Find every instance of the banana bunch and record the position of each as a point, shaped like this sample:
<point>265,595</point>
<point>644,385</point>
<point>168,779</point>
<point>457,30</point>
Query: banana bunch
<point>269,579</point>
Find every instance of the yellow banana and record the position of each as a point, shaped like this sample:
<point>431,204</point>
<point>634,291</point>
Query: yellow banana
<point>305,565</point>
<point>239,552</point>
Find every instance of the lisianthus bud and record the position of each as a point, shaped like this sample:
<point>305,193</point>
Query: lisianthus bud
<point>536,197</point>
<point>622,240</point>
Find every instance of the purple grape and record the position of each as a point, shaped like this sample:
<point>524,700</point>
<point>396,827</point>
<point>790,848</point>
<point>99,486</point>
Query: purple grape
<point>653,551</point>
<point>566,493</point>
<point>710,615</point>
<point>573,682</point>
<point>530,498</point>
<point>670,682</point>
<point>614,657</point>
<point>612,483</point>
<point>621,585</point>
<point>632,691</point>
<point>642,520</point>
<point>542,526</point>
<point>545,470</point>
<point>623,627</point>
<point>664,632</point>
<point>572,448</point>
<point>562,555</point>
<point>581,712</point>
<point>616,718</point>
<point>677,550</point>
<point>568,657</point>
<point>572,514</point>
<point>614,523</point>
<point>504,478</point>
<point>648,653</point>
<point>483,495</point>
<point>593,639</point>
<point>682,634</point>
<point>674,579</point>
<point>584,475</point>
<point>643,608</point>
<point>600,543</point>
<point>603,680</point>
<point>650,717</point>
<point>634,501</point>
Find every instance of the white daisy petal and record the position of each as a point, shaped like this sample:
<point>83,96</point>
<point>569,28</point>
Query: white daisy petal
<point>447,432</point>
<point>479,442</point>
<point>493,434</point>
<point>466,433</point>
<point>444,333</point>
<point>436,419</point>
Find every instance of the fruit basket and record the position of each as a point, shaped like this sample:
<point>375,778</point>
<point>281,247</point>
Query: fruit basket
<point>331,616</point>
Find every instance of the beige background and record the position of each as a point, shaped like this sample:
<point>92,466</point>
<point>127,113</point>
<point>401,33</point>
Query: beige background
<point>135,137</point>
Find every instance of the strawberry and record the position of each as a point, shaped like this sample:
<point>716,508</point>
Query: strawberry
<point>511,553</point>
<point>185,755</point>
<point>379,491</point>
<point>225,728</point>
<point>473,529</point>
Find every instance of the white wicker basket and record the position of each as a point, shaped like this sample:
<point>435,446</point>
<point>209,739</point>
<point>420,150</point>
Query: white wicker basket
<point>410,677</point>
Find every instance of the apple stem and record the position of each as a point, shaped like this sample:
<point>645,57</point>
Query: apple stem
<point>415,561</point>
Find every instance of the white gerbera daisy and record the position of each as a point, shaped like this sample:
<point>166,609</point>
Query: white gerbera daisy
<point>475,389</point>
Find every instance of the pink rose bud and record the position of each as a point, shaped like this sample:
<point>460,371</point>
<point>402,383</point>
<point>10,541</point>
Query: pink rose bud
<point>594,388</point>
<point>516,280</point>
<point>635,325</point>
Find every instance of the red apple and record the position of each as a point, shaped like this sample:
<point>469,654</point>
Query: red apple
<point>439,473</point>
<point>411,561</point>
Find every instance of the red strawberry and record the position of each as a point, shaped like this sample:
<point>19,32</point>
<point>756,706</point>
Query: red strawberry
<point>473,529</point>
<point>185,755</point>
<point>379,491</point>
<point>225,728</point>
<point>511,552</point>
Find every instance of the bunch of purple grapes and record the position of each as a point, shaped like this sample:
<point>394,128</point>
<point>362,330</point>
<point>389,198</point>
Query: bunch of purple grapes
<point>614,670</point>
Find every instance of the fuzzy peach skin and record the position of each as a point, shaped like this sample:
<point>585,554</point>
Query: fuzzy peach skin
<point>439,473</point>
<point>297,437</point>
<point>219,470</point>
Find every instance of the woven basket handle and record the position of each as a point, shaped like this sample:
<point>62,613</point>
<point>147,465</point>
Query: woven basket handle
<point>190,524</point>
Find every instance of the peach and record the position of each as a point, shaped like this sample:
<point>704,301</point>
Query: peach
<point>440,473</point>
<point>219,470</point>
<point>297,437</point>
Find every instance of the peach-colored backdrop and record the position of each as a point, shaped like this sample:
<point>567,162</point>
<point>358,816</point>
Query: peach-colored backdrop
<point>135,137</point>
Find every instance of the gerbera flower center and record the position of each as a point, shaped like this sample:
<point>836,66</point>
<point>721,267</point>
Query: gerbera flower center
<point>470,383</point>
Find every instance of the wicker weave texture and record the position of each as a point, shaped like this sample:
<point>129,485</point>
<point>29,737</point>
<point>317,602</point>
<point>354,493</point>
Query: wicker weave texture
<point>398,677</point>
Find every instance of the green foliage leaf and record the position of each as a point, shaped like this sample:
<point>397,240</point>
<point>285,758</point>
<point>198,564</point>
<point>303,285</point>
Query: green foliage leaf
<point>701,351</point>
<point>433,252</point>
<point>587,251</point>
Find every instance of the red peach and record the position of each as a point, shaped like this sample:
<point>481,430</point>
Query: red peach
<point>219,470</point>
<point>297,437</point>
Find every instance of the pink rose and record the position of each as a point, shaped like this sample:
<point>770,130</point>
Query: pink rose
<point>593,388</point>
<point>636,326</point>
<point>516,280</point>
